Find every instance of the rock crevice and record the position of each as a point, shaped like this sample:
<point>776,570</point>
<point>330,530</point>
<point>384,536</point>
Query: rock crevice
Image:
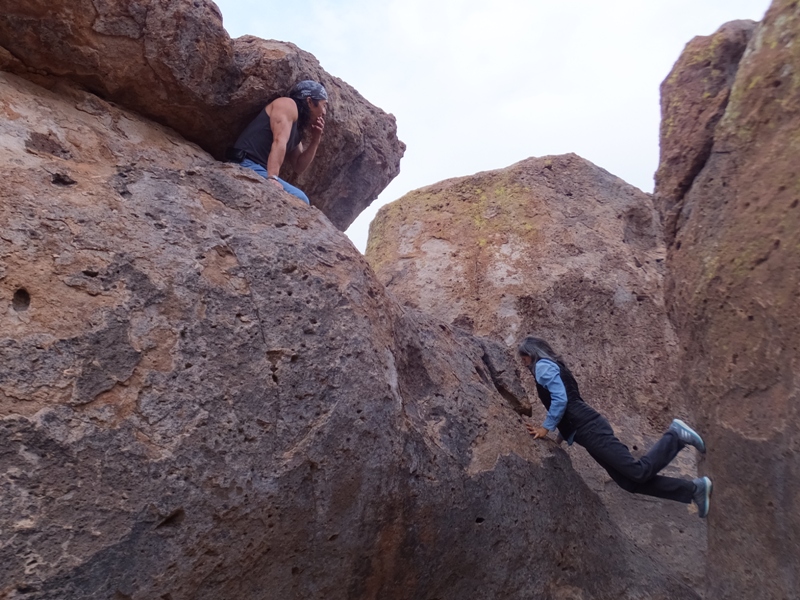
<point>559,248</point>
<point>732,294</point>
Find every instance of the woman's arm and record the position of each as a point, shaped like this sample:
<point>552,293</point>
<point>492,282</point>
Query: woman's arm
<point>548,374</point>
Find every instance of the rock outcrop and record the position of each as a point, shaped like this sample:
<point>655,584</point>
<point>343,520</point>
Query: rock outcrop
<point>206,393</point>
<point>173,61</point>
<point>559,248</point>
<point>694,97</point>
<point>733,293</point>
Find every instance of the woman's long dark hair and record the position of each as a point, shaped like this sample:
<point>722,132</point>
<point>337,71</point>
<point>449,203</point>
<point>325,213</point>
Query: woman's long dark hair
<point>537,349</point>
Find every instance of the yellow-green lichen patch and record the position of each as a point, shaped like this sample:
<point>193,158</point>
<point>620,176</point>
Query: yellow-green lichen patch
<point>702,50</point>
<point>488,207</point>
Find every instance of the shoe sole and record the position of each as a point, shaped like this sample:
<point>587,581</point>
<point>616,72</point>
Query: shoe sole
<point>707,498</point>
<point>702,447</point>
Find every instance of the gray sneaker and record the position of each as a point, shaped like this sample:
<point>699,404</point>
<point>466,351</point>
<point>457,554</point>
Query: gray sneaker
<point>687,435</point>
<point>702,495</point>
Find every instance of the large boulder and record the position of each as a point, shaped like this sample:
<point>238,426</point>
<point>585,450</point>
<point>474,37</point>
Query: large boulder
<point>559,248</point>
<point>173,61</point>
<point>734,276</point>
<point>205,393</point>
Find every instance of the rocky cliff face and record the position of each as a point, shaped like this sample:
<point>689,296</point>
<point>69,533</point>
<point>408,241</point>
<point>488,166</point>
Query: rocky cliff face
<point>694,97</point>
<point>734,266</point>
<point>173,62</point>
<point>206,393</point>
<point>559,248</point>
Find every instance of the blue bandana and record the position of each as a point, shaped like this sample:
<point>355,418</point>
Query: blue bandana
<point>308,89</point>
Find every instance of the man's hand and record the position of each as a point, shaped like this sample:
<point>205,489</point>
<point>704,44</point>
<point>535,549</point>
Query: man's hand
<point>317,128</point>
<point>536,432</point>
<point>276,183</point>
<point>301,156</point>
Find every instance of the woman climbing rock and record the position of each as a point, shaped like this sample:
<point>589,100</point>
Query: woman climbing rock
<point>576,421</point>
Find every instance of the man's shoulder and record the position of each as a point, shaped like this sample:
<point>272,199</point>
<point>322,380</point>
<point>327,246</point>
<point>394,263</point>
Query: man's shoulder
<point>282,106</point>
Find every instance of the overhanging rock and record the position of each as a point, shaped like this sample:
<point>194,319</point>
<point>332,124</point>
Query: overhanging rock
<point>174,62</point>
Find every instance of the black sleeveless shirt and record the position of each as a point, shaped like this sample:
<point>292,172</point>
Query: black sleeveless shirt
<point>577,412</point>
<point>256,139</point>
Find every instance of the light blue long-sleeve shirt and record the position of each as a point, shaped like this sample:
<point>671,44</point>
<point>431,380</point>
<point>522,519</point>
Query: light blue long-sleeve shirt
<point>548,374</point>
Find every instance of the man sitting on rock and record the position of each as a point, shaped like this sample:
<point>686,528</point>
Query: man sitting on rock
<point>276,134</point>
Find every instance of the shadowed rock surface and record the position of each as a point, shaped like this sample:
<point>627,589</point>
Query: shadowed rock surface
<point>173,61</point>
<point>205,393</point>
<point>559,248</point>
<point>734,295</point>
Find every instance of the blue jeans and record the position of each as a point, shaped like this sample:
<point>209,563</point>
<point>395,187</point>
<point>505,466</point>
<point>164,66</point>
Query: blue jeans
<point>286,186</point>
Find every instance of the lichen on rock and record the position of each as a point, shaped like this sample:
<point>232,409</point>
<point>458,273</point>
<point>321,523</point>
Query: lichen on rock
<point>732,294</point>
<point>694,96</point>
<point>560,248</point>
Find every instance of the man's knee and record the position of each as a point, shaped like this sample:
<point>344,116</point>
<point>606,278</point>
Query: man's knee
<point>254,166</point>
<point>296,192</point>
<point>300,194</point>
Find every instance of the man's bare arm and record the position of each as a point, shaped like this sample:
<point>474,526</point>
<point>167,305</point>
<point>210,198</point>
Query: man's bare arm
<point>301,157</point>
<point>282,114</point>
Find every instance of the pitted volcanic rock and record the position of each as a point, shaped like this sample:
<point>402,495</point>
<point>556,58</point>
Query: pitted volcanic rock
<point>205,393</point>
<point>559,248</point>
<point>734,276</point>
<point>693,99</point>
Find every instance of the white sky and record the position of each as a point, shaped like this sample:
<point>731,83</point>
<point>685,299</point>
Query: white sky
<point>479,85</point>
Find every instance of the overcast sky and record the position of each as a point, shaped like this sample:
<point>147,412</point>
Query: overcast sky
<point>480,85</point>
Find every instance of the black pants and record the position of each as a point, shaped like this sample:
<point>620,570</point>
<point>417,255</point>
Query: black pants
<point>636,476</point>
